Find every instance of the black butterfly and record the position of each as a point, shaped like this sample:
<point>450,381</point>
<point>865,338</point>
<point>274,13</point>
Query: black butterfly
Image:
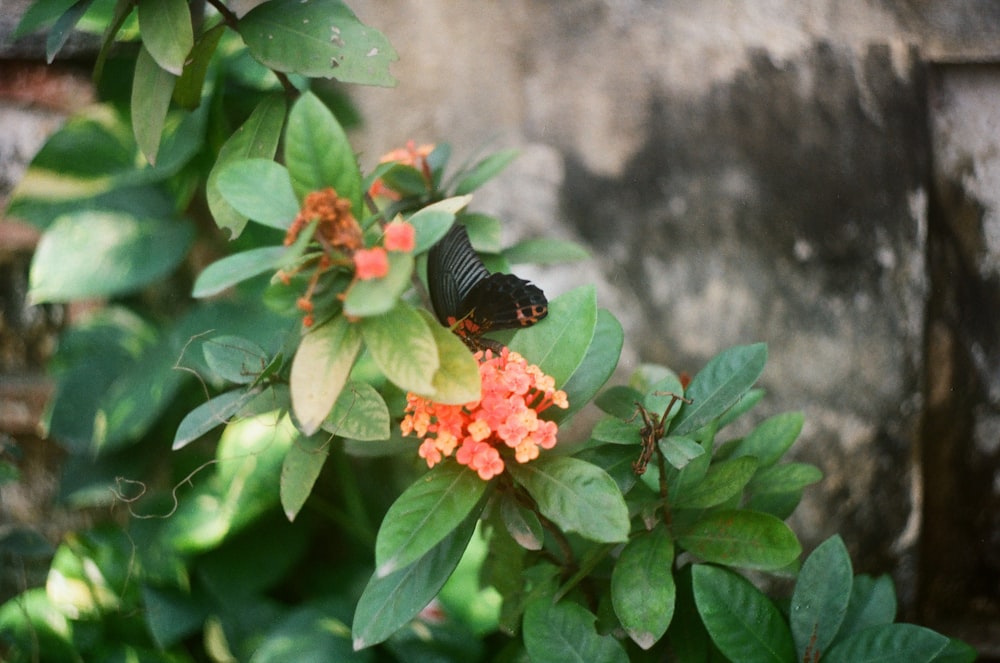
<point>472,301</point>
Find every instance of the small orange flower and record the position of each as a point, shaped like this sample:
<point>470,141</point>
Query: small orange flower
<point>371,263</point>
<point>504,421</point>
<point>400,236</point>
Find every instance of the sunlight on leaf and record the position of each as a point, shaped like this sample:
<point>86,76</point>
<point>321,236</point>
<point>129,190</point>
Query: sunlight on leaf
<point>320,369</point>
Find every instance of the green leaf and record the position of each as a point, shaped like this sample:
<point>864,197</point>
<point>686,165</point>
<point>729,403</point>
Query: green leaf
<point>890,643</point>
<point>784,478</point>
<point>360,413</point>
<point>619,401</point>
<point>96,353</point>
<point>642,587</point>
<point>183,138</point>
<point>558,344</point>
<point>743,623</point>
<point>646,375</point>
<point>210,414</point>
<point>577,496</point>
<point>484,171</point>
<point>719,385</point>
<point>687,638</point>
<point>744,404</point>
<point>615,431</point>
<point>100,254</point>
<point>680,481</point>
<point>616,460</point>
<point>245,486</point>
<point>152,88</point>
<point>545,251</point>
<point>317,152</point>
<point>743,539</point>
<point>379,296</point>
<point>819,602</point>
<point>956,652</point>
<point>39,14</point>
<point>428,511</point>
<point>256,138</point>
<point>723,481</point>
<point>320,369</point>
<point>310,634</point>
<point>769,441</point>
<point>247,565</point>
<point>322,38</point>
<point>872,603</point>
<point>62,29</point>
<point>165,26</point>
<point>172,615</point>
<point>389,602</point>
<point>89,573</point>
<point>484,231</point>
<point>234,358</point>
<point>188,90</point>
<point>565,632</point>
<point>93,162</point>
<point>31,621</point>
<point>597,366</point>
<point>120,14</point>
<point>260,189</point>
<point>404,179</point>
<point>432,222</point>
<point>299,471</point>
<point>457,380</point>
<point>780,505</point>
<point>679,451</point>
<point>229,271</point>
<point>522,524</point>
<point>778,489</point>
<point>402,346</point>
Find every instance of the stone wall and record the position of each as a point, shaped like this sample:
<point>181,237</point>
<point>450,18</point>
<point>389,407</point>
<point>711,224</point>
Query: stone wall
<point>819,175</point>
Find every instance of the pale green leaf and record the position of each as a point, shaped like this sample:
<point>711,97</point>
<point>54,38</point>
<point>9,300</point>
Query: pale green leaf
<point>320,370</point>
<point>165,26</point>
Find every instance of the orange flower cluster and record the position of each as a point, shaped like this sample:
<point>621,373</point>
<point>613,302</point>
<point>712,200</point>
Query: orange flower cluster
<point>337,226</point>
<point>411,155</point>
<point>505,418</point>
<point>338,230</point>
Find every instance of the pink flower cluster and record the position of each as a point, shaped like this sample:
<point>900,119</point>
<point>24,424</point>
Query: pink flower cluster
<point>505,419</point>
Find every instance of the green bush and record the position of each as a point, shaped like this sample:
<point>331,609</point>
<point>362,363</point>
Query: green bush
<point>268,506</point>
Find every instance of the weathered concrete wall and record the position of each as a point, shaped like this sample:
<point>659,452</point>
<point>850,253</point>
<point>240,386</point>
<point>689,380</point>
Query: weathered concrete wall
<point>774,171</point>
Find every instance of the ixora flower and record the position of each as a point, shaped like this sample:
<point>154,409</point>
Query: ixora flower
<point>337,226</point>
<point>400,236</point>
<point>503,422</point>
<point>371,263</point>
<point>342,241</point>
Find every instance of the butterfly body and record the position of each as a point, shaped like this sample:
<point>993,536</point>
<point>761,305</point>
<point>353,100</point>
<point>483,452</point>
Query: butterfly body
<point>472,301</point>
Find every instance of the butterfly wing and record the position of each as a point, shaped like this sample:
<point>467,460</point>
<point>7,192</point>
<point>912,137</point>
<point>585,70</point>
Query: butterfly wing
<point>505,301</point>
<point>453,270</point>
<point>463,291</point>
